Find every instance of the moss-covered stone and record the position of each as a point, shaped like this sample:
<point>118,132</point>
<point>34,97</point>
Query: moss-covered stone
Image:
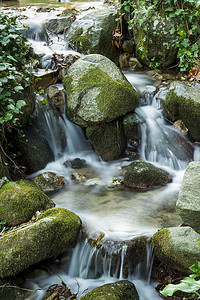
<point>92,33</point>
<point>97,91</point>
<point>143,176</point>
<point>59,24</point>
<point>177,247</point>
<point>108,140</point>
<point>55,232</point>
<point>131,127</point>
<point>158,41</point>
<point>119,290</point>
<point>20,200</point>
<point>182,102</point>
<point>49,182</point>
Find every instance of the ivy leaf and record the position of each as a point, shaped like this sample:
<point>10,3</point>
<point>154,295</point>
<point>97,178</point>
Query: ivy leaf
<point>20,104</point>
<point>18,88</point>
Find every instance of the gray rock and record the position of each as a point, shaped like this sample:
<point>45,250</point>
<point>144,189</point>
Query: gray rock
<point>177,247</point>
<point>59,24</point>
<point>56,96</point>
<point>108,140</point>
<point>127,46</point>
<point>119,290</point>
<point>188,203</point>
<point>49,182</point>
<point>157,42</point>
<point>20,200</point>
<point>97,91</point>
<point>55,232</point>
<point>92,33</point>
<point>182,102</point>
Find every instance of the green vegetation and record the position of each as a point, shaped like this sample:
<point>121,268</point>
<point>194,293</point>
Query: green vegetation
<point>187,284</point>
<point>185,12</point>
<point>13,68</point>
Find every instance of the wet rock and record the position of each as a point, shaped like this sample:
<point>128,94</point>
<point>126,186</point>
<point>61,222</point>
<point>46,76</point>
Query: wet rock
<point>157,42</point>
<point>128,46</point>
<point>69,12</point>
<point>20,200</point>
<point>131,126</point>
<point>56,96</point>
<point>46,78</point>
<point>182,103</point>
<point>119,290</point>
<point>92,33</point>
<point>126,61</point>
<point>188,203</point>
<point>59,24</point>
<point>55,232</point>
<point>49,182</point>
<point>107,139</point>
<point>181,126</point>
<point>76,163</point>
<point>97,91</point>
<point>177,247</point>
<point>78,177</point>
<point>11,291</point>
<point>34,148</point>
<point>143,176</point>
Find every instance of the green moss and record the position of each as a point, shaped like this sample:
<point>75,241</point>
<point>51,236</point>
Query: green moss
<point>111,95</point>
<point>142,175</point>
<point>119,290</point>
<point>20,200</point>
<point>55,232</point>
<point>185,109</point>
<point>108,140</point>
<point>81,41</point>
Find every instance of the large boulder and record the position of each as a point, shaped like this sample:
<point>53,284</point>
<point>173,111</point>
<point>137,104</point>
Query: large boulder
<point>157,42</point>
<point>20,200</point>
<point>119,290</point>
<point>143,176</point>
<point>92,33</point>
<point>188,203</point>
<point>108,140</point>
<point>177,247</point>
<point>55,232</point>
<point>97,91</point>
<point>182,102</point>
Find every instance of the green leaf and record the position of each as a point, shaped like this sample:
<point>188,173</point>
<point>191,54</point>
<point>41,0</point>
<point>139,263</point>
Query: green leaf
<point>18,88</point>
<point>20,104</point>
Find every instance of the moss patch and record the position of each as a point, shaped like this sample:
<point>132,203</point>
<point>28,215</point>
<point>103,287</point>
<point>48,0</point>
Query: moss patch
<point>20,200</point>
<point>143,176</point>
<point>185,109</point>
<point>119,290</point>
<point>56,231</point>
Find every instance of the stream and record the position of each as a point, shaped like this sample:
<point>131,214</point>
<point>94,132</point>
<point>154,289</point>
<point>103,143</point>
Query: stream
<point>107,208</point>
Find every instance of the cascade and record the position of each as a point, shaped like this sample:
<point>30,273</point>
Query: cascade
<point>122,215</point>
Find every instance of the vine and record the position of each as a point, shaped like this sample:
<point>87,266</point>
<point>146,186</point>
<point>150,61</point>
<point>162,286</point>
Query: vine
<point>187,14</point>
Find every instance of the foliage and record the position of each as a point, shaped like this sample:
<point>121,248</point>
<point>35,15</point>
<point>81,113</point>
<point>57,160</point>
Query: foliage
<point>186,12</point>
<point>13,68</point>
<point>187,284</point>
<point>3,226</point>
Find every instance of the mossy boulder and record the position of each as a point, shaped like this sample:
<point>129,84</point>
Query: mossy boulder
<point>97,91</point>
<point>92,33</point>
<point>20,200</point>
<point>108,139</point>
<point>119,290</point>
<point>55,232</point>
<point>49,182</point>
<point>142,176</point>
<point>182,102</point>
<point>188,203</point>
<point>157,42</point>
<point>177,247</point>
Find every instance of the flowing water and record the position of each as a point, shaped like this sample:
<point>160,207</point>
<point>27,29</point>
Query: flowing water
<point>105,207</point>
